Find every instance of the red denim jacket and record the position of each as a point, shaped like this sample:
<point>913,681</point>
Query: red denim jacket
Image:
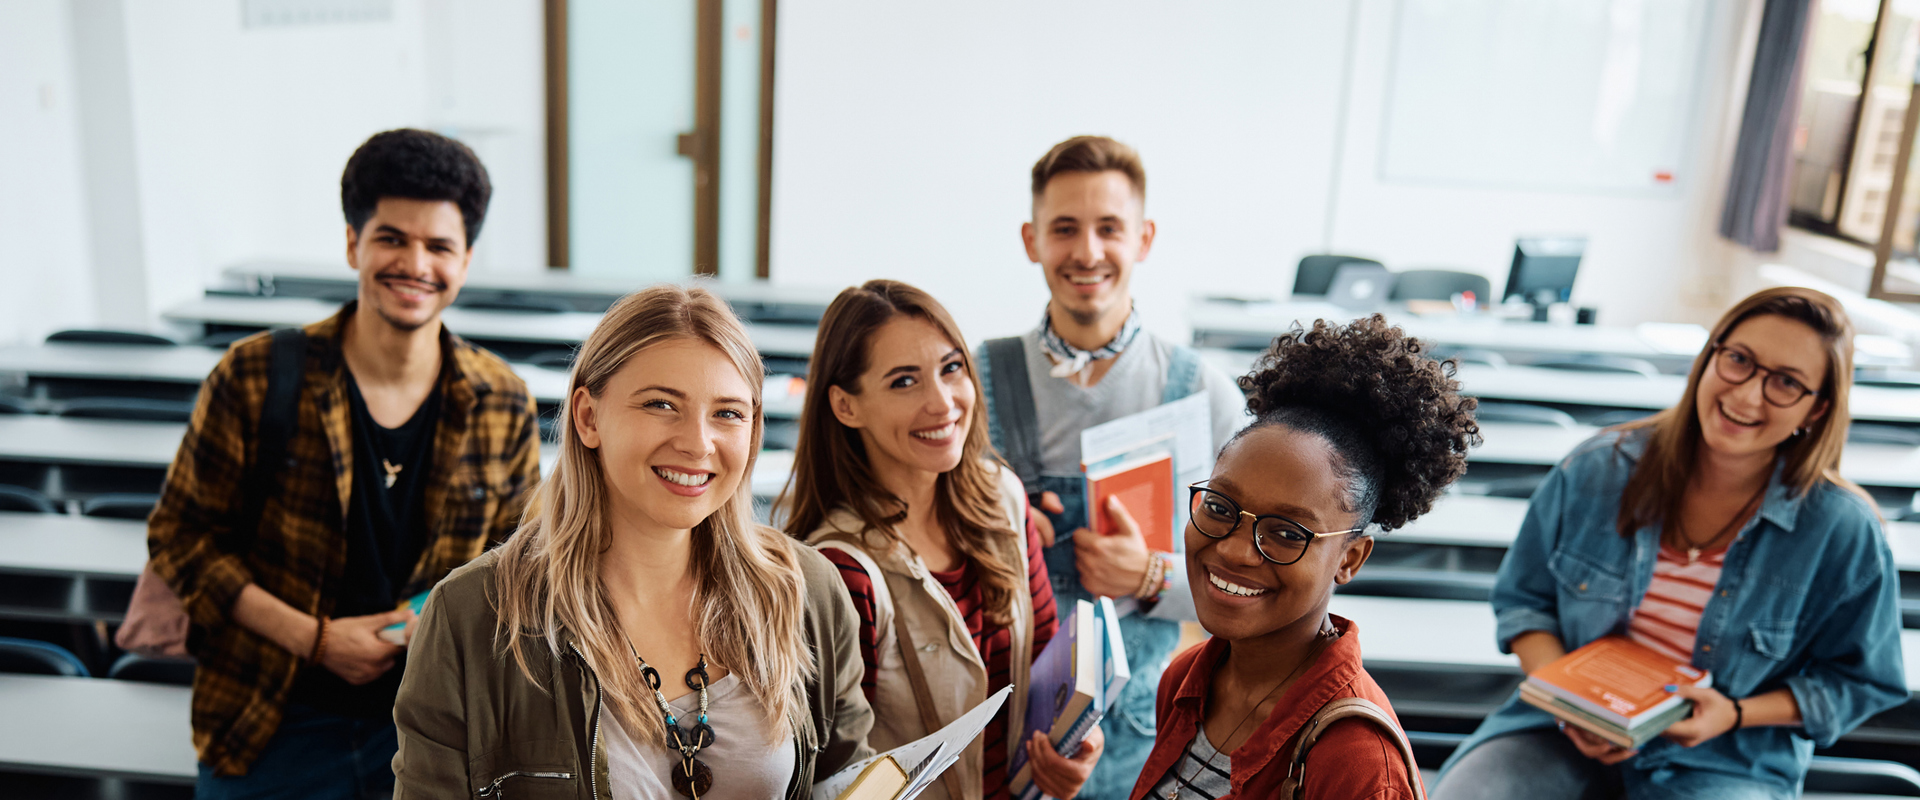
<point>1353,760</point>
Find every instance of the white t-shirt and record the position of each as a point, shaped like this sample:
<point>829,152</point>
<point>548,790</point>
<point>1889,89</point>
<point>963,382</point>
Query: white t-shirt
<point>746,763</point>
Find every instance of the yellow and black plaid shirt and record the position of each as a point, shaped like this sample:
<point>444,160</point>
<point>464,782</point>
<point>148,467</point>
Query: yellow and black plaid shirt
<point>486,459</point>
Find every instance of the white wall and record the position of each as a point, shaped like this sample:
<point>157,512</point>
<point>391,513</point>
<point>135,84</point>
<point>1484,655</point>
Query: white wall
<point>206,142</point>
<point>45,257</point>
<point>904,133</point>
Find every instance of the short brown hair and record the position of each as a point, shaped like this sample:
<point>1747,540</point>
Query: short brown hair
<point>1090,154</point>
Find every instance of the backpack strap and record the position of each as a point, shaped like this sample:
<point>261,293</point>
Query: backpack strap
<point>279,416</point>
<point>1011,405</point>
<point>1183,372</point>
<point>1334,711</point>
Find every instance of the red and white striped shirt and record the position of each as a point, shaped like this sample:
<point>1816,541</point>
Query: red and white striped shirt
<point>1669,615</point>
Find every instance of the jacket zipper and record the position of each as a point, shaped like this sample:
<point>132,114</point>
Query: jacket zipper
<point>593,739</point>
<point>493,789</point>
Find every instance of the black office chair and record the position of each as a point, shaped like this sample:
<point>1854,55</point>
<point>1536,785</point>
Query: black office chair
<point>1439,284</point>
<point>1875,433</point>
<point>1525,413</point>
<point>31,657</point>
<point>120,506</point>
<point>1315,274</point>
<point>135,667</point>
<point>21,498</point>
<point>88,336</point>
<point>14,405</point>
<point>141,409</point>
<point>1601,362</point>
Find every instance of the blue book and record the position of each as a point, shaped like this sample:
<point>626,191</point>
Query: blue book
<point>397,632</point>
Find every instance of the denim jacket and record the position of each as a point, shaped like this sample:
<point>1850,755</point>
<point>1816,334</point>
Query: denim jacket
<point>1807,599</point>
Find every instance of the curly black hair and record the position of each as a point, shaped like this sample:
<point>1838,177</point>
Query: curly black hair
<point>418,165</point>
<point>1393,415</point>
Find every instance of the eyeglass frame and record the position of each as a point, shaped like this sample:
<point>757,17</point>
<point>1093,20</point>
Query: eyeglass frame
<point>1718,348</point>
<point>1193,492</point>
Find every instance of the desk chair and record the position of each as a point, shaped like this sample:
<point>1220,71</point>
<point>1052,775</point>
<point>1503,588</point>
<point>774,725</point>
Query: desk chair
<point>135,667</point>
<point>1440,284</point>
<point>87,336</point>
<point>1601,362</point>
<point>140,409</point>
<point>30,657</point>
<point>1527,413</point>
<point>1315,273</point>
<point>21,498</point>
<point>120,506</point>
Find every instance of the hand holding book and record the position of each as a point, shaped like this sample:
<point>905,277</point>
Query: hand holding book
<point>1061,776</point>
<point>1713,715</point>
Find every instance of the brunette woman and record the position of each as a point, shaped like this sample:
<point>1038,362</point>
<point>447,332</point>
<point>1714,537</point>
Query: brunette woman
<point>894,481</point>
<point>1353,428</point>
<point>1720,533</point>
<point>639,632</point>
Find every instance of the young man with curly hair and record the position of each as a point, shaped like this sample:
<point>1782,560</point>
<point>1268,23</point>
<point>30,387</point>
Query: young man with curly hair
<point>408,450</point>
<point>1090,361</point>
<point>1353,428</point>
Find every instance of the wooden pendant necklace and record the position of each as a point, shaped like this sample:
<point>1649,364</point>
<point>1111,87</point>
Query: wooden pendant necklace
<point>693,778</point>
<point>393,471</point>
<point>1693,549</point>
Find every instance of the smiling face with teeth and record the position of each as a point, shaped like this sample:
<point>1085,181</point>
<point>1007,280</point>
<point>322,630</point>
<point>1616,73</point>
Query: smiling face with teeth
<point>1088,231</point>
<point>412,258</point>
<point>674,432</point>
<point>913,406</point>
<point>1241,596</point>
<point>1736,421</point>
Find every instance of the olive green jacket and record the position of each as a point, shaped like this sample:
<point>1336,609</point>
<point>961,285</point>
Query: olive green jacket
<point>472,725</point>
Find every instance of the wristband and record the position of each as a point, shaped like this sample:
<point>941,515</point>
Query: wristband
<point>319,642</point>
<point>1156,581</point>
<point>1739,715</point>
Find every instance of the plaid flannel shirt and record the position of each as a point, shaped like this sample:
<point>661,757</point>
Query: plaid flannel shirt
<point>486,459</point>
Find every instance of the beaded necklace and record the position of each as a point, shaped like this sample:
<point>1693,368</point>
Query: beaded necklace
<point>694,777</point>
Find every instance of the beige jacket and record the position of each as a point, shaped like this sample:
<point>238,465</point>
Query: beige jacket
<point>918,630</point>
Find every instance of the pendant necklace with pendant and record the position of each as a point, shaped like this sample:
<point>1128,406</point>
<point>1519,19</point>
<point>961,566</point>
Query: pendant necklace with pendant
<point>693,777</point>
<point>393,471</point>
<point>1693,550</point>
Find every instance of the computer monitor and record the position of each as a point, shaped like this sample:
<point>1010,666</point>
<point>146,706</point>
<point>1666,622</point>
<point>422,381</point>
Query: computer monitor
<point>1543,269</point>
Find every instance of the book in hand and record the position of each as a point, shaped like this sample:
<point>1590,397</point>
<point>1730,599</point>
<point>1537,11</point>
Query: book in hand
<point>1144,485</point>
<point>397,632</point>
<point>1614,688</point>
<point>921,761</point>
<point>1071,686</point>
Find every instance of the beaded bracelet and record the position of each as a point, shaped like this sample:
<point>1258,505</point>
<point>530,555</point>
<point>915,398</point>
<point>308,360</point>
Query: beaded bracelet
<point>319,642</point>
<point>1157,579</point>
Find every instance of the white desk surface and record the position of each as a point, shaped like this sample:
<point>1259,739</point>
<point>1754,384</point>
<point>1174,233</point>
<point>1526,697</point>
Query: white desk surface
<point>66,544</point>
<point>97,727</point>
<point>551,281</point>
<point>190,364</point>
<point>565,329</point>
<point>1536,385</point>
<point>1405,631</point>
<point>1269,319</point>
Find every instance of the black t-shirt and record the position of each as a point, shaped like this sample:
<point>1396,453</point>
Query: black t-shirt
<point>386,529</point>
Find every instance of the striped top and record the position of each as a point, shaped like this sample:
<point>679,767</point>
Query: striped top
<point>1669,615</point>
<point>995,644</point>
<point>1200,774</point>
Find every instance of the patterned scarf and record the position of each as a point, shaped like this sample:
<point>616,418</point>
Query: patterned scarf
<point>1071,360</point>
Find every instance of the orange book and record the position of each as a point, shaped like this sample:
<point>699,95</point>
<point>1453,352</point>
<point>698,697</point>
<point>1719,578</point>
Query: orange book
<point>1145,486</point>
<point>1617,680</point>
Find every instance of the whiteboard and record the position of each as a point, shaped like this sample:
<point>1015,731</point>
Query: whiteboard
<point>1543,94</point>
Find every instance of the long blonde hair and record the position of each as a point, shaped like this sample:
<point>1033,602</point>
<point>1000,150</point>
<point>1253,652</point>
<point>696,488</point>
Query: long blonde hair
<point>748,591</point>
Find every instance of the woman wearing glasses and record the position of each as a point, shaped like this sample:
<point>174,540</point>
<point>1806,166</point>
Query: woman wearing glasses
<point>639,636</point>
<point>1353,427</point>
<point>893,481</point>
<point>1720,533</point>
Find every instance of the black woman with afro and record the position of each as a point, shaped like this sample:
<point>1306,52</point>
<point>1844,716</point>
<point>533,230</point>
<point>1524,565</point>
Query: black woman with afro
<point>1355,429</point>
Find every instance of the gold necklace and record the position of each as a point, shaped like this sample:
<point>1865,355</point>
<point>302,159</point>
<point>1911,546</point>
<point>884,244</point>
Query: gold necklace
<point>1326,634</point>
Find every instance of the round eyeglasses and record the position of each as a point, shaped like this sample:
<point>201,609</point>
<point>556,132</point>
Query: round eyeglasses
<point>1279,540</point>
<point>1736,365</point>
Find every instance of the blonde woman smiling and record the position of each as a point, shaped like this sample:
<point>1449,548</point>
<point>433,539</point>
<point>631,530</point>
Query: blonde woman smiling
<point>639,633</point>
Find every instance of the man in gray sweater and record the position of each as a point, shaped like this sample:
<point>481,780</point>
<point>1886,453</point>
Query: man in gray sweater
<point>1089,361</point>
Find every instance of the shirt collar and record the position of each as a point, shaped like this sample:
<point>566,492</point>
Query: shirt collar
<point>1781,505</point>
<point>1329,677</point>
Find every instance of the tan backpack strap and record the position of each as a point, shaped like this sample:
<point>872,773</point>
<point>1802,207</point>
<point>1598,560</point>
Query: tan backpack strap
<point>1334,711</point>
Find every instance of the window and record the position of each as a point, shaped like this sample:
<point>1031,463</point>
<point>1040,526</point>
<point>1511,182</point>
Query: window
<point>1853,144</point>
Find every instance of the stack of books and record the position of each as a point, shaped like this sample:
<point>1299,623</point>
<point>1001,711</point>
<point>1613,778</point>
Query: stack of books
<point>1614,688</point>
<point>1072,684</point>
